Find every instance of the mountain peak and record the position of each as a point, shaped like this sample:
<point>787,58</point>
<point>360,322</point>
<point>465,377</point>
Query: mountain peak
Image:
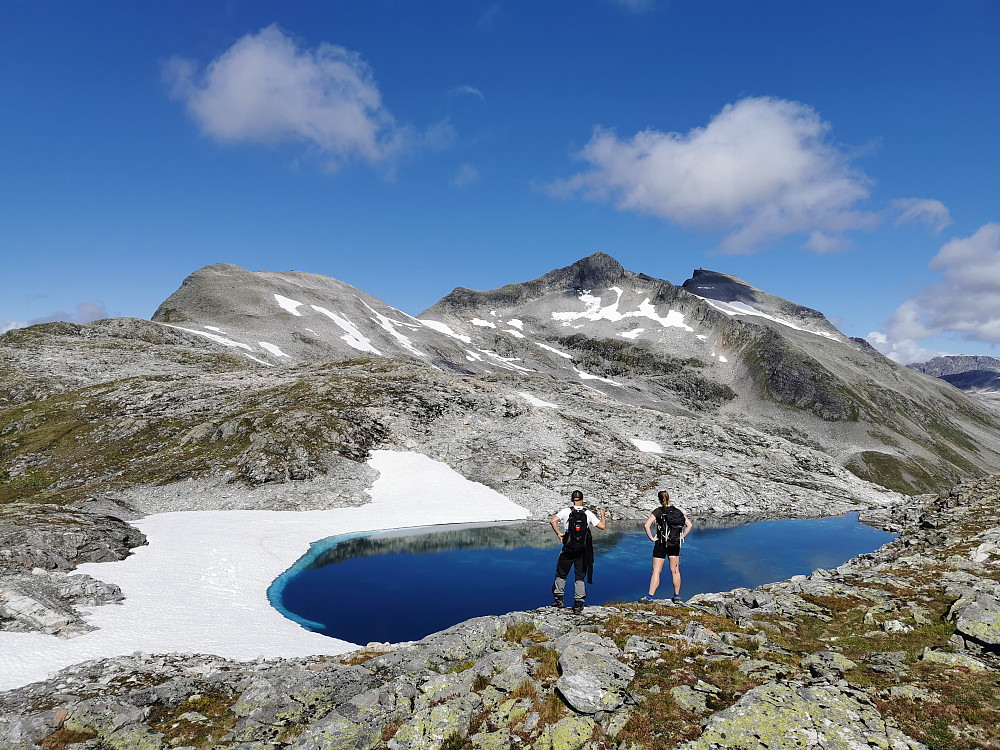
<point>596,270</point>
<point>733,291</point>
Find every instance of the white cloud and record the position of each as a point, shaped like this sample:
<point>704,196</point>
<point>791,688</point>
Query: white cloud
<point>761,169</point>
<point>822,243</point>
<point>467,174</point>
<point>439,137</point>
<point>930,212</point>
<point>965,302</point>
<point>470,90</point>
<point>265,89</point>
<point>904,351</point>
<point>10,325</point>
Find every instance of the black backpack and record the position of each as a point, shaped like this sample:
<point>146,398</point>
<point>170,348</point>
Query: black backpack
<point>669,525</point>
<point>577,531</point>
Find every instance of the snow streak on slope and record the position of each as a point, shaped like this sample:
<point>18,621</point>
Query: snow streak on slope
<point>740,308</point>
<point>353,337</point>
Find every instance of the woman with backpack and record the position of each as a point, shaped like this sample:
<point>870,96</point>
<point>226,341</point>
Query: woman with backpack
<point>671,528</point>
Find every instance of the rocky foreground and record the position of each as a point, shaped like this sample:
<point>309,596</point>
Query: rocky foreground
<point>896,649</point>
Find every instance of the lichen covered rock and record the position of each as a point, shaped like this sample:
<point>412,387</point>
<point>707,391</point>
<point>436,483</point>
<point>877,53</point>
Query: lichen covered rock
<point>775,716</point>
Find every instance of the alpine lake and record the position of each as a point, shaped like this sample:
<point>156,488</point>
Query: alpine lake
<point>403,585</point>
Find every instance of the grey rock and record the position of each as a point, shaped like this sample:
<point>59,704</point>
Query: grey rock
<point>591,680</point>
<point>977,617</point>
<point>775,716</point>
<point>828,665</point>
<point>952,659</point>
<point>430,726</point>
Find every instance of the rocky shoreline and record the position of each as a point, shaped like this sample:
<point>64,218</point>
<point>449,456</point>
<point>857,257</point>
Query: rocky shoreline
<point>899,648</point>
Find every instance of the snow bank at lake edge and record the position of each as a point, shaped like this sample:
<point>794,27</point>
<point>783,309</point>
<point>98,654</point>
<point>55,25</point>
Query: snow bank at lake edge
<point>200,585</point>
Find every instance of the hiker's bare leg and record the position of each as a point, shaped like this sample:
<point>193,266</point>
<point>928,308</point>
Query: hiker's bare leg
<point>654,580</point>
<point>675,572</point>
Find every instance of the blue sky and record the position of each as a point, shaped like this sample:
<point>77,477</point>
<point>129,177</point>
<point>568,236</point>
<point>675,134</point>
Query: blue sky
<point>843,155</point>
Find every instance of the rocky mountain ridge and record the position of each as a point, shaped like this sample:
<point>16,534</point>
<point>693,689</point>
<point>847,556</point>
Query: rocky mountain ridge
<point>956,364</point>
<point>713,346</point>
<point>977,376</point>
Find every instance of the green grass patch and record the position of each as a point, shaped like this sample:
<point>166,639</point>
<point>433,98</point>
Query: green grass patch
<point>522,630</point>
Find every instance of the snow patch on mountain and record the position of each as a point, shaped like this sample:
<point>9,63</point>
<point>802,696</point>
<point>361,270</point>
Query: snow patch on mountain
<point>390,326</point>
<point>272,348</point>
<point>587,376</point>
<point>288,304</point>
<point>535,401</point>
<point>555,351</point>
<point>436,325</point>
<point>352,336</point>
<point>647,446</point>
<point>595,310</point>
<point>214,337</point>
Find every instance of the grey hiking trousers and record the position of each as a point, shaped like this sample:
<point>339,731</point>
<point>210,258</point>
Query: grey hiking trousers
<point>563,565</point>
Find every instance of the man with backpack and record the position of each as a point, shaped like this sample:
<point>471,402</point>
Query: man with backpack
<point>577,551</point>
<point>671,528</point>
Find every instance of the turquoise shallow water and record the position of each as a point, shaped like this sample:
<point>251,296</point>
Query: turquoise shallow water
<point>403,585</point>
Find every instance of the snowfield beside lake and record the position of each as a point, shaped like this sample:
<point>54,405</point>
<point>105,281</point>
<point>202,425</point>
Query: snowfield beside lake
<point>200,585</point>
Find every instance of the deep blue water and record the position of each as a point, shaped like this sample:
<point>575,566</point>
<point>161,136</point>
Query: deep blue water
<point>403,585</point>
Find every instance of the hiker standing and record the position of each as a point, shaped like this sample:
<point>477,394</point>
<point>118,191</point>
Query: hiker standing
<point>671,528</point>
<point>577,551</point>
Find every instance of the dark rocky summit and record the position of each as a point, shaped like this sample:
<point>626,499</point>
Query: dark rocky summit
<point>899,648</point>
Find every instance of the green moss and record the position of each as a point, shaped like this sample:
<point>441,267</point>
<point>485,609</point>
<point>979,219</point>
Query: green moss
<point>902,475</point>
<point>81,442</point>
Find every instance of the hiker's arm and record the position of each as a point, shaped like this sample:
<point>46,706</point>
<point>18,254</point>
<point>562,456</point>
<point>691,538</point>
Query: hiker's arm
<point>602,523</point>
<point>649,523</point>
<point>687,526</point>
<point>554,521</point>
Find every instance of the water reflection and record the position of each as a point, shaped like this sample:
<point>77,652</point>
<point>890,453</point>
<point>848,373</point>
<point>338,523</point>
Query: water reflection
<point>432,539</point>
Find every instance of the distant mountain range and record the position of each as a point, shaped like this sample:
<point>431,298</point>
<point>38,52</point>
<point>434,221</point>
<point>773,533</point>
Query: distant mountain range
<point>978,376</point>
<point>714,345</point>
<point>592,376</point>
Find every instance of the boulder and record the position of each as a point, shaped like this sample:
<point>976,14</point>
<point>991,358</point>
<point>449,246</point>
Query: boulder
<point>592,681</point>
<point>977,618</point>
<point>776,716</point>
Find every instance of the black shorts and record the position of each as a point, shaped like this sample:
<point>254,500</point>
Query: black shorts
<point>661,550</point>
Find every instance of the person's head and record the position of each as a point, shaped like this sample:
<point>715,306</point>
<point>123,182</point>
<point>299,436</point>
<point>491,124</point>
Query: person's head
<point>577,497</point>
<point>664,498</point>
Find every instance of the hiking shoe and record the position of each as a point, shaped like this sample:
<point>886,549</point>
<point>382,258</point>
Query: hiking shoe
<point>558,604</point>
<point>677,600</point>
<point>644,599</point>
<point>578,608</point>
